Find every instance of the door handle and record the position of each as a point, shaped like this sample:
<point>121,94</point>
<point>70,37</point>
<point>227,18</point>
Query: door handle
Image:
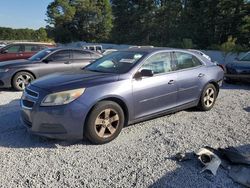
<point>171,82</point>
<point>201,75</point>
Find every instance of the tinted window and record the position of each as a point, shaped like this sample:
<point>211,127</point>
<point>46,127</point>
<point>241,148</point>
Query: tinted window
<point>14,49</point>
<point>60,56</point>
<point>159,63</point>
<point>81,55</point>
<point>185,60</point>
<point>32,48</point>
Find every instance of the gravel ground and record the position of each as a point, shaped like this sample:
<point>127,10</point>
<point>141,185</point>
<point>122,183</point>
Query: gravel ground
<point>139,157</point>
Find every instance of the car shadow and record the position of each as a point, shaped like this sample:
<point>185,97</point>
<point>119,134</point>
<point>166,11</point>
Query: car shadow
<point>14,135</point>
<point>188,174</point>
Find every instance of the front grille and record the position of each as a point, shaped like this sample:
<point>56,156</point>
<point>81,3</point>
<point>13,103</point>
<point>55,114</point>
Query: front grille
<point>28,104</point>
<point>31,93</point>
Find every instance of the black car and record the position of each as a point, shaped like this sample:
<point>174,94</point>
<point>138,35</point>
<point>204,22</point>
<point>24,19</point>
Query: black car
<point>239,70</point>
<point>19,73</point>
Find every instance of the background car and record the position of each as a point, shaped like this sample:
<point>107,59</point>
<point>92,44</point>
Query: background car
<point>108,51</point>
<point>21,50</point>
<point>118,89</point>
<point>239,70</point>
<point>2,44</point>
<point>19,73</point>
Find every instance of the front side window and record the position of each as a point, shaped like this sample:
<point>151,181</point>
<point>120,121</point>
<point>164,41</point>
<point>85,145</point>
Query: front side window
<point>185,61</point>
<point>60,56</point>
<point>117,62</point>
<point>159,63</point>
<point>14,49</point>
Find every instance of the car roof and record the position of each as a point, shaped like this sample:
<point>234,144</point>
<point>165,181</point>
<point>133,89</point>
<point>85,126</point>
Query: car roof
<point>149,49</point>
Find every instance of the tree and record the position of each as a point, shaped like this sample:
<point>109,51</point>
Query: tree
<point>86,20</point>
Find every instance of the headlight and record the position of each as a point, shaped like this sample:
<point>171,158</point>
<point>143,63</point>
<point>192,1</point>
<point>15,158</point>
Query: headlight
<point>4,70</point>
<point>61,98</point>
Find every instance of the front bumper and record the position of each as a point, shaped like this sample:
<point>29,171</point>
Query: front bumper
<point>59,122</point>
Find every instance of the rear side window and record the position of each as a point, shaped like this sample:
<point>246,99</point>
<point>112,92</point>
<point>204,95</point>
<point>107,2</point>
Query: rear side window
<point>14,49</point>
<point>185,61</point>
<point>32,48</point>
<point>60,56</point>
<point>81,55</point>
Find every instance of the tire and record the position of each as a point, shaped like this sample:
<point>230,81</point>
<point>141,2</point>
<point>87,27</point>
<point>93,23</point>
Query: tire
<point>104,123</point>
<point>21,80</point>
<point>208,98</point>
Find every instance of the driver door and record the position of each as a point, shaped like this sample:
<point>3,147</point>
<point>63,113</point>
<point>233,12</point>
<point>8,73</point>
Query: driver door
<point>59,61</point>
<point>159,92</point>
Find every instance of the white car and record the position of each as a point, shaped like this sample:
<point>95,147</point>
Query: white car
<point>2,45</point>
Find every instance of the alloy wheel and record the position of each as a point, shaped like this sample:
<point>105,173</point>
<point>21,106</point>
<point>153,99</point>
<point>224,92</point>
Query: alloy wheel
<point>107,123</point>
<point>209,97</point>
<point>23,80</point>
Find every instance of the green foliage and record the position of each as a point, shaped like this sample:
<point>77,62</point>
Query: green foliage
<point>39,35</point>
<point>87,20</point>
<point>228,46</point>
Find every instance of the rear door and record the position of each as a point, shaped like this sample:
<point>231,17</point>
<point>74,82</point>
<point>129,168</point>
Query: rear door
<point>81,58</point>
<point>190,73</point>
<point>59,61</point>
<point>158,93</point>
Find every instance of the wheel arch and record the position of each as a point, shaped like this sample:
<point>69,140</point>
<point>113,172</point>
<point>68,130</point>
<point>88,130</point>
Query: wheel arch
<point>22,71</point>
<point>117,100</point>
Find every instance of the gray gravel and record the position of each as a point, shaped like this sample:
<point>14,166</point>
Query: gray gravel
<point>139,157</point>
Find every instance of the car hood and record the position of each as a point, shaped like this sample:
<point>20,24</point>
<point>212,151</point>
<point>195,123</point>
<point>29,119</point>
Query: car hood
<point>14,63</point>
<point>73,80</point>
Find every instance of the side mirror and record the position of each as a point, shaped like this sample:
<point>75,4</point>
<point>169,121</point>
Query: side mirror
<point>47,60</point>
<point>147,73</point>
<point>144,73</point>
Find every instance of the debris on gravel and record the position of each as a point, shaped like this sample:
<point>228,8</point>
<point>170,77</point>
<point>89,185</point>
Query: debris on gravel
<point>139,157</point>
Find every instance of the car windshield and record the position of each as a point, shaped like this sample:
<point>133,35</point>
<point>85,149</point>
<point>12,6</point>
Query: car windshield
<point>40,55</point>
<point>117,62</point>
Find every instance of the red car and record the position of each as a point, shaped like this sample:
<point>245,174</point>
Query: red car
<point>21,50</point>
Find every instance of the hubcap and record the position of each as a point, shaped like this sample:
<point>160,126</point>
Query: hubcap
<point>106,123</point>
<point>209,97</point>
<point>23,80</point>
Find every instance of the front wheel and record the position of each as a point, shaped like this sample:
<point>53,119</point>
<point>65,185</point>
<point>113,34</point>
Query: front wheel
<point>21,80</point>
<point>105,122</point>
<point>208,98</point>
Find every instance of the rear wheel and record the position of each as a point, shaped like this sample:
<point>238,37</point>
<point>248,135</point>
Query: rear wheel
<point>21,80</point>
<point>105,122</point>
<point>208,98</point>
